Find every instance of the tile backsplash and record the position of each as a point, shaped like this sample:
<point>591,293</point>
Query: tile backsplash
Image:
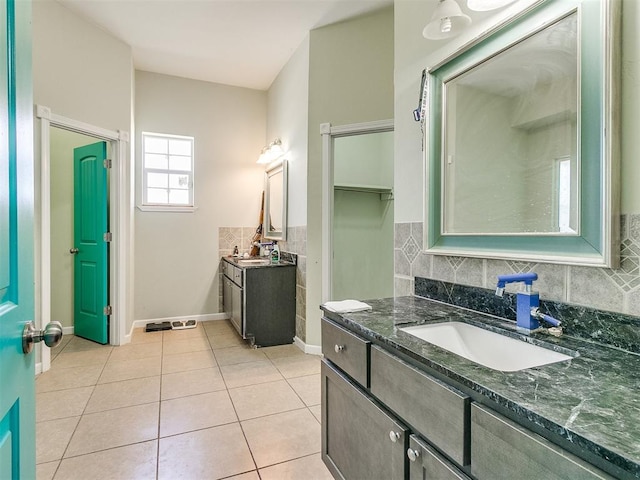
<point>229,237</point>
<point>614,290</point>
<point>604,292</point>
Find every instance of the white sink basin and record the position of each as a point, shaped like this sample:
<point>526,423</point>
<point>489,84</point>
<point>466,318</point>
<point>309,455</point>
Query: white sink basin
<point>484,347</point>
<point>254,261</point>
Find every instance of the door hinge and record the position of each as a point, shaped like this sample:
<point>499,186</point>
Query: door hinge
<point>108,310</point>
<point>108,236</point>
<point>107,163</point>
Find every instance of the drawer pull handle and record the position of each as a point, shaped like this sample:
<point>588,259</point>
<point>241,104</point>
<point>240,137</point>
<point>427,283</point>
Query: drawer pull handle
<point>413,454</point>
<point>394,436</point>
<point>339,348</point>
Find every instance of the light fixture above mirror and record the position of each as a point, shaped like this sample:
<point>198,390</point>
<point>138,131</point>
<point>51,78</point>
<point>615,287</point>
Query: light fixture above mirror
<point>271,152</point>
<point>446,22</point>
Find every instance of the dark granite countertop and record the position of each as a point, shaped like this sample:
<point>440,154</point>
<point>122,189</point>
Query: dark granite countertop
<point>589,404</point>
<point>238,262</point>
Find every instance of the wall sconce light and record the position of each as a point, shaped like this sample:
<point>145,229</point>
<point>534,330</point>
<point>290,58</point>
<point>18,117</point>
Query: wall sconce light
<point>486,5</point>
<point>271,152</point>
<point>447,21</point>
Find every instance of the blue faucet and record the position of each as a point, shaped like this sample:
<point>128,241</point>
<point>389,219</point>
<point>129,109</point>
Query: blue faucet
<point>528,313</point>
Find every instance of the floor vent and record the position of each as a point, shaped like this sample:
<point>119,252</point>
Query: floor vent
<point>181,324</point>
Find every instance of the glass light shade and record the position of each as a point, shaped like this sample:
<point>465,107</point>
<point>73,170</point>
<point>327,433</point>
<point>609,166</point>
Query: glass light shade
<point>447,21</point>
<point>264,156</point>
<point>275,149</point>
<point>486,5</point>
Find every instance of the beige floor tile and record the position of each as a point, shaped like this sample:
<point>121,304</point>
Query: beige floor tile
<point>186,414</point>
<point>282,437</point>
<point>308,388</point>
<point>264,399</point>
<point>252,373</point>
<point>140,336</point>
<point>52,438</point>
<point>109,396</point>
<point>310,468</point>
<point>46,471</point>
<point>83,358</point>
<point>186,345</point>
<point>206,454</point>
<point>247,476</point>
<point>297,366</point>
<point>78,344</point>
<point>235,355</point>
<point>127,370</point>
<point>176,335</point>
<point>123,463</point>
<point>192,382</point>
<point>218,326</point>
<point>226,340</point>
<point>62,403</point>
<point>183,362</point>
<point>316,410</point>
<point>114,428</point>
<point>280,351</point>
<point>65,378</point>
<point>136,351</point>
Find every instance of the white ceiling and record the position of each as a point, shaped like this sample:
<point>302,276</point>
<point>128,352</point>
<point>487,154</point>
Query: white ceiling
<point>235,42</point>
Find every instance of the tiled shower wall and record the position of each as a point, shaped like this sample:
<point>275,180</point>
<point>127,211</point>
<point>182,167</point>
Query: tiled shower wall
<point>296,242</point>
<point>616,290</point>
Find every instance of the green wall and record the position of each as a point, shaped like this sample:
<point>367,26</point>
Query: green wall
<point>350,81</point>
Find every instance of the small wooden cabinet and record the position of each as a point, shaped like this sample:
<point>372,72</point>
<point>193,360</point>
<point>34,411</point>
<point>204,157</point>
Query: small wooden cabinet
<point>261,302</point>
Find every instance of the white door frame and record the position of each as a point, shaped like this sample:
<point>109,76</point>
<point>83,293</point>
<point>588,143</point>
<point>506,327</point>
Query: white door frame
<point>328,134</point>
<point>120,200</point>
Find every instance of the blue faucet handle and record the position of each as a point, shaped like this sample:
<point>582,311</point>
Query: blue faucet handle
<point>527,278</point>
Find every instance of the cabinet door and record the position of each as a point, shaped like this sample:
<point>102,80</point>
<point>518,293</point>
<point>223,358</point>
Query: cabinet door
<point>226,295</point>
<point>426,463</point>
<point>236,308</point>
<point>359,439</point>
<point>500,448</point>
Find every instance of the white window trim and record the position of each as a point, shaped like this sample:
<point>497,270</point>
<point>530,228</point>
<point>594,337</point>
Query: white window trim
<point>160,207</point>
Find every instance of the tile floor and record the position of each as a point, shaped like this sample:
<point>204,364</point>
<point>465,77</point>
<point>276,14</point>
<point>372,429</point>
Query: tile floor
<point>191,404</point>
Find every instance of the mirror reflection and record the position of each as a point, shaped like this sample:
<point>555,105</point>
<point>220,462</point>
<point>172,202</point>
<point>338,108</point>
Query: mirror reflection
<point>510,159</point>
<point>275,201</point>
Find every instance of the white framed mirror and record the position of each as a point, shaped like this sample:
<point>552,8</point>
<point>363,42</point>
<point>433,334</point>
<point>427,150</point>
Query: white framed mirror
<point>275,201</point>
<point>521,144</point>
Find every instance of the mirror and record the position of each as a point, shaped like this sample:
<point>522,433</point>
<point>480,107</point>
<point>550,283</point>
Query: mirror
<point>520,145</point>
<point>275,201</point>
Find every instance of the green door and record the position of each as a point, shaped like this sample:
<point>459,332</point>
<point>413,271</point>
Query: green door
<point>90,226</point>
<point>17,408</point>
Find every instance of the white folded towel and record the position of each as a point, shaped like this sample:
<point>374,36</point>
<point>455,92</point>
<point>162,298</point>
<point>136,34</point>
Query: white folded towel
<point>346,306</point>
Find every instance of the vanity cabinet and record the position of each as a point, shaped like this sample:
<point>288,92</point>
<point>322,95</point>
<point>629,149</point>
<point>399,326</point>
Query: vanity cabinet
<point>501,447</point>
<point>426,463</point>
<point>261,302</point>
<point>359,438</point>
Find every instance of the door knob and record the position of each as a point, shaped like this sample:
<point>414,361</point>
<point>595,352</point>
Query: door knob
<point>51,335</point>
<point>73,251</point>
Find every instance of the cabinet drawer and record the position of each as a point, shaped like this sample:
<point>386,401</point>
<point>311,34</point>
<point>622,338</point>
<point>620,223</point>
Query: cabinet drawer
<point>237,275</point>
<point>500,447</point>
<point>425,462</point>
<point>437,411</point>
<point>346,350</point>
<point>360,440</point>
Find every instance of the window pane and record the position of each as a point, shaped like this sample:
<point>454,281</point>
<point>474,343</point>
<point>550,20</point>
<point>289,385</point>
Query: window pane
<point>157,180</point>
<point>156,145</point>
<point>156,161</point>
<point>157,195</point>
<point>179,197</point>
<point>179,181</point>
<point>180,147</point>
<point>180,163</point>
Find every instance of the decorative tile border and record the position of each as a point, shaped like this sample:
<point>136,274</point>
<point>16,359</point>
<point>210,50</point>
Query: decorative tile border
<point>613,290</point>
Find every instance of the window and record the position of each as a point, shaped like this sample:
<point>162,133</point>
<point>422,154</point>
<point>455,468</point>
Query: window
<point>167,171</point>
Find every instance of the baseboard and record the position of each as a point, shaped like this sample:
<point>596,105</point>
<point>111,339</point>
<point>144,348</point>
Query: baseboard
<point>38,368</point>
<point>208,317</point>
<point>67,330</point>
<point>310,349</point>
